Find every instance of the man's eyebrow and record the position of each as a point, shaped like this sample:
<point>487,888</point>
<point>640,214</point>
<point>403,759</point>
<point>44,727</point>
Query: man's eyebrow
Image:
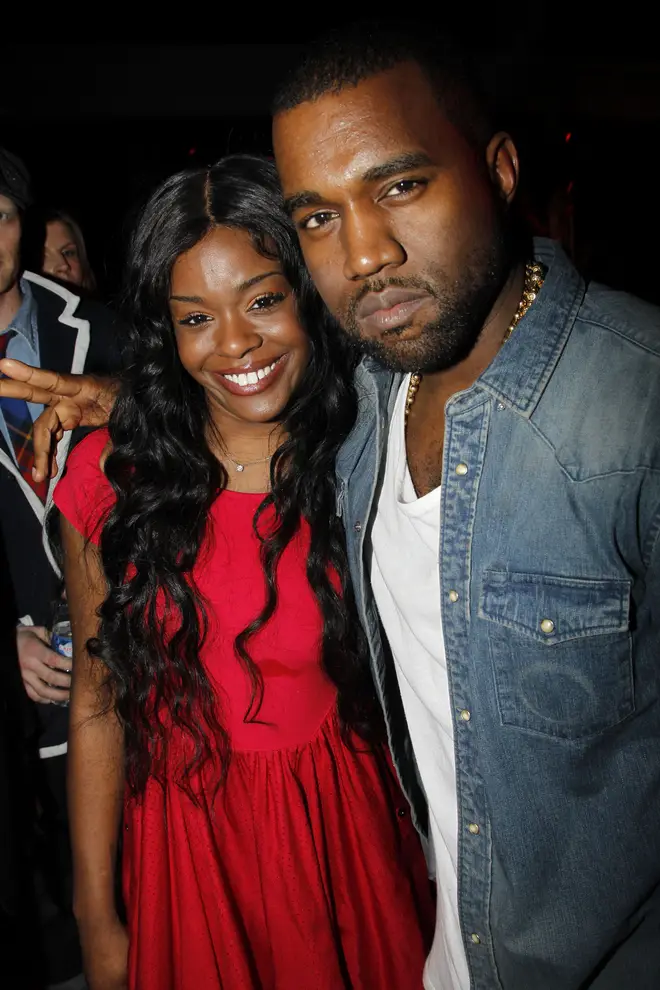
<point>405,162</point>
<point>302,199</point>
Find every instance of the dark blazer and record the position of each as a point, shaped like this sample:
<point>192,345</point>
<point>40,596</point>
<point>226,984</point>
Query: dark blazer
<point>74,335</point>
<point>20,951</point>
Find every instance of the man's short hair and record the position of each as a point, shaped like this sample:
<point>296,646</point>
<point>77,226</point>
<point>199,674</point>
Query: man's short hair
<point>14,179</point>
<point>347,57</point>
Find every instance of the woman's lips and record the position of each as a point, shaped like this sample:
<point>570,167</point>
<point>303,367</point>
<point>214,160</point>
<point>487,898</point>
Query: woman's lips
<point>272,374</point>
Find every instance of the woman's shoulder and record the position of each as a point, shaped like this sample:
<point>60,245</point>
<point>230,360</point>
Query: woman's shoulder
<point>83,494</point>
<point>88,455</point>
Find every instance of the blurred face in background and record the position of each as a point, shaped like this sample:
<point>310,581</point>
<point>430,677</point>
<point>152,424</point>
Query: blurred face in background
<point>10,244</point>
<point>62,254</point>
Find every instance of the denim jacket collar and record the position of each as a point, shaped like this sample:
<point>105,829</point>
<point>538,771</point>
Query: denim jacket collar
<point>518,374</point>
<point>521,370</point>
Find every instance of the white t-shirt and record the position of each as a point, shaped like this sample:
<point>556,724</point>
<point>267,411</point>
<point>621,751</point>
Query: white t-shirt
<point>405,577</point>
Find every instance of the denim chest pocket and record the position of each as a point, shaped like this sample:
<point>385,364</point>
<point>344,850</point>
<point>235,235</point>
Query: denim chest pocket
<point>561,651</point>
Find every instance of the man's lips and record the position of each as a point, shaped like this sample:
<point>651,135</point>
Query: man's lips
<point>376,302</point>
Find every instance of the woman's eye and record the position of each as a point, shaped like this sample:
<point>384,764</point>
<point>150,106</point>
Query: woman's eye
<point>70,253</point>
<point>268,300</point>
<point>194,320</point>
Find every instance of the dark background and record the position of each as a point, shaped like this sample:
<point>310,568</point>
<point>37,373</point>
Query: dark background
<point>98,124</point>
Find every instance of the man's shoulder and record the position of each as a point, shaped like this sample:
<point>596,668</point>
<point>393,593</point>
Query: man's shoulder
<point>53,298</point>
<point>613,352</point>
<point>600,408</point>
<point>62,309</point>
<point>627,317</point>
<point>97,313</point>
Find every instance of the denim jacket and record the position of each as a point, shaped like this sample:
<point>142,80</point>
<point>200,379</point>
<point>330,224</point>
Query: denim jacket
<point>550,523</point>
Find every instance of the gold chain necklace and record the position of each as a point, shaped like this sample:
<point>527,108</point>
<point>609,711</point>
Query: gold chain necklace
<point>533,281</point>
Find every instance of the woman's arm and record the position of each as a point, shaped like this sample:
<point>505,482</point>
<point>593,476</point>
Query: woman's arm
<point>96,775</point>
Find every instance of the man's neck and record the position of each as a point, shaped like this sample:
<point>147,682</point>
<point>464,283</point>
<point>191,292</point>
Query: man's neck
<point>10,303</point>
<point>464,374</point>
<point>426,422</point>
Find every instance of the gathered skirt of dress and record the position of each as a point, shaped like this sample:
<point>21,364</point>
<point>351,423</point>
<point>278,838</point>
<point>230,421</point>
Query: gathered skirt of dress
<point>305,872</point>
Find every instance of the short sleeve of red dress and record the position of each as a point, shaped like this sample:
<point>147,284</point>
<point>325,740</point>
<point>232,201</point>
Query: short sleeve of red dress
<point>83,494</point>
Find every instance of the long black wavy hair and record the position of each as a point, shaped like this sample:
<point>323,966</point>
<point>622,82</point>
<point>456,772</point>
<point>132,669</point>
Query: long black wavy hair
<point>166,478</point>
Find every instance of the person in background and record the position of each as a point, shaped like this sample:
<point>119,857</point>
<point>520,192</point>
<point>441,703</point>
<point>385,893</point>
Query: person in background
<point>20,952</point>
<point>65,253</point>
<point>41,321</point>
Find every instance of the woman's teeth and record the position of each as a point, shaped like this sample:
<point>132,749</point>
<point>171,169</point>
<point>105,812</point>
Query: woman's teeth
<point>252,377</point>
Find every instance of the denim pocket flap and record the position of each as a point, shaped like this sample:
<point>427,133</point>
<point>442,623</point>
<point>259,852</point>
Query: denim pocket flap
<point>555,609</point>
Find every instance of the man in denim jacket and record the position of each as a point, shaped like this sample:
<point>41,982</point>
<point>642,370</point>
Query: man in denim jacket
<point>502,511</point>
<point>504,540</point>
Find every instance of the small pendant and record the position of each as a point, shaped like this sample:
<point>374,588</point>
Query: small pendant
<point>240,467</point>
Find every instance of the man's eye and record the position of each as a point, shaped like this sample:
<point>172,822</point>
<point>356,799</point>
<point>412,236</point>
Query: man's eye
<point>317,220</point>
<point>405,186</point>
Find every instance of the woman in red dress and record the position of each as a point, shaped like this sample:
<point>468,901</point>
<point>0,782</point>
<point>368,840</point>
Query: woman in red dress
<point>222,707</point>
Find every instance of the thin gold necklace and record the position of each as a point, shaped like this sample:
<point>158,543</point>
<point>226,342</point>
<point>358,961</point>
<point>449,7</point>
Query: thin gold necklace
<point>533,281</point>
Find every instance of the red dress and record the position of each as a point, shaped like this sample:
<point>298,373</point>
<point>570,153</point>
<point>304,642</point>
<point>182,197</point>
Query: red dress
<point>305,871</point>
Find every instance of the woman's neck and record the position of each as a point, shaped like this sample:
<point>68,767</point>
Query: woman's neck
<point>245,450</point>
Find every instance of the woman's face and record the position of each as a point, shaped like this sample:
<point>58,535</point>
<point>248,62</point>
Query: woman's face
<point>237,329</point>
<point>61,255</point>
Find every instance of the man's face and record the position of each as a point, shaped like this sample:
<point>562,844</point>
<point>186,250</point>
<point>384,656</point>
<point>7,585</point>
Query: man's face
<point>10,244</point>
<point>399,220</point>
